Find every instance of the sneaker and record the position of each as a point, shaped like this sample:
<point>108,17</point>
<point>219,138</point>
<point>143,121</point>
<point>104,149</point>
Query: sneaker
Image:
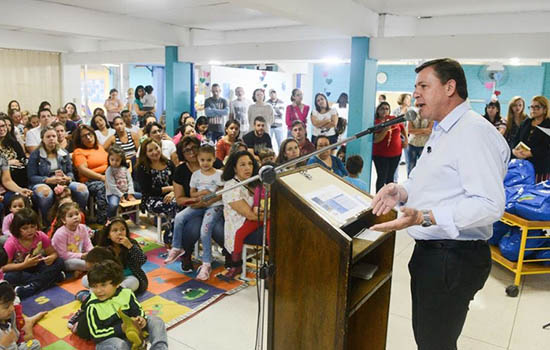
<point>173,255</point>
<point>73,321</point>
<point>82,295</point>
<point>26,291</point>
<point>204,272</point>
<point>62,276</point>
<point>186,263</point>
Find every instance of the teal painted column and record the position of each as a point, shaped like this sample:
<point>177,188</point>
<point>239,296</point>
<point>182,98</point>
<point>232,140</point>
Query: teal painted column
<point>179,88</point>
<point>362,95</point>
<point>546,81</point>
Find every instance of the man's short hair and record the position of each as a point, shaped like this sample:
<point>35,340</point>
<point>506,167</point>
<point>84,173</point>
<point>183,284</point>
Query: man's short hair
<point>61,110</point>
<point>44,110</point>
<point>259,119</point>
<point>106,271</point>
<point>446,69</point>
<point>215,84</point>
<point>297,122</point>
<point>354,164</point>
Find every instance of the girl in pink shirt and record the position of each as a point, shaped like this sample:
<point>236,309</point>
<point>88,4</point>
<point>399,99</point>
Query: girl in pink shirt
<point>72,240</point>
<point>33,264</point>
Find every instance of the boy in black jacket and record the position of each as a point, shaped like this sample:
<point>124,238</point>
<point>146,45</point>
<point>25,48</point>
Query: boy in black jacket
<point>102,322</point>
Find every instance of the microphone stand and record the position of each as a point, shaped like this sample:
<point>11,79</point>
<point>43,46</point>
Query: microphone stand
<point>267,176</point>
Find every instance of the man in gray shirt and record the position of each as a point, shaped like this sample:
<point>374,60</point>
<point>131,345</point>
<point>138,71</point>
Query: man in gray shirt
<point>239,110</point>
<point>217,112</point>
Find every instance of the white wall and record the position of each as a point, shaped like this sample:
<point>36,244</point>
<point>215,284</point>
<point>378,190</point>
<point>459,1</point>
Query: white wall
<point>71,84</point>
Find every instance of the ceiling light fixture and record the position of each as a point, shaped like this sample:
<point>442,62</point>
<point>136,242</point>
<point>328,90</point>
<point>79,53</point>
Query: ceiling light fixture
<point>332,60</point>
<point>514,61</point>
<point>214,63</point>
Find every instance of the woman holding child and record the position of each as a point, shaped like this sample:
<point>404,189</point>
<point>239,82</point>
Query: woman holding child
<point>185,235</point>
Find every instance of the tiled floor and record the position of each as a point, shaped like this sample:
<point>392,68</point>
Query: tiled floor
<point>494,322</point>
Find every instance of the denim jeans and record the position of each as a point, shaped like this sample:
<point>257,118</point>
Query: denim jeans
<point>97,189</point>
<point>113,201</point>
<point>210,217</point>
<point>44,203</point>
<point>157,337</point>
<point>413,153</point>
<point>277,134</point>
<point>191,232</point>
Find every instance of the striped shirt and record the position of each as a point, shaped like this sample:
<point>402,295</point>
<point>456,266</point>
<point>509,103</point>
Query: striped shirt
<point>128,147</point>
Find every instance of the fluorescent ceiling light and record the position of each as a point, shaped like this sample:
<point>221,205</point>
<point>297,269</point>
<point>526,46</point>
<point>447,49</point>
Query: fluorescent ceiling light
<point>514,61</point>
<point>214,62</point>
<point>332,60</point>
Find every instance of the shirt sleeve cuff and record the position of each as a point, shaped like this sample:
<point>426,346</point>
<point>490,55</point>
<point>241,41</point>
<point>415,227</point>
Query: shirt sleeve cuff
<point>444,220</point>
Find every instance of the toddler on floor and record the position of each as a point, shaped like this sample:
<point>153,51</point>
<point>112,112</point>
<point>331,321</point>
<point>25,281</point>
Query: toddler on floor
<point>33,264</point>
<point>72,240</point>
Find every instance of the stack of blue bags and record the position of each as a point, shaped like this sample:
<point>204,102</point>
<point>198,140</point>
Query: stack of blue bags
<point>528,200</point>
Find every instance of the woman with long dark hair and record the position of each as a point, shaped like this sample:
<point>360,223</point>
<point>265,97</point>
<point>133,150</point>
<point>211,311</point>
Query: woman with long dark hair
<point>388,146</point>
<point>324,119</point>
<point>492,114</point>
<point>12,150</point>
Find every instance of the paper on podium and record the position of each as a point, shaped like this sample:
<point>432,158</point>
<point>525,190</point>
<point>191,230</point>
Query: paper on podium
<point>338,205</point>
<point>369,235</point>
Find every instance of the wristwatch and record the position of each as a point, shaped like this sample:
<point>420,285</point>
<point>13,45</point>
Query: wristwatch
<point>426,219</point>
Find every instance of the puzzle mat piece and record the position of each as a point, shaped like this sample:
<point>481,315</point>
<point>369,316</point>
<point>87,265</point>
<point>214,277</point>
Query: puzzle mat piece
<point>167,310</point>
<point>163,279</point>
<point>197,293</point>
<point>56,320</point>
<point>46,300</point>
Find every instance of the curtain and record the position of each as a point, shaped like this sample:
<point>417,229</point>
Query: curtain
<point>30,77</point>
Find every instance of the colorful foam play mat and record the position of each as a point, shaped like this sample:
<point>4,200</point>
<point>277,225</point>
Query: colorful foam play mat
<point>172,295</point>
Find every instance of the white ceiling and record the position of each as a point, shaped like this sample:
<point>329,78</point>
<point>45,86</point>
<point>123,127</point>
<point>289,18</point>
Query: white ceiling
<point>75,26</point>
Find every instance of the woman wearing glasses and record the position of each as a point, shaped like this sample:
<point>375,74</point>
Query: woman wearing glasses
<point>90,159</point>
<point>155,131</point>
<point>536,140</point>
<point>185,237</point>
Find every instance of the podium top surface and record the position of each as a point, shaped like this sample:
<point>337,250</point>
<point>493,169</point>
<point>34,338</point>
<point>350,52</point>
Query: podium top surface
<point>330,196</point>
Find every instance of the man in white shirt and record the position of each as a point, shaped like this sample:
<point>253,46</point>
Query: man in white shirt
<point>449,203</point>
<point>239,110</point>
<point>33,138</point>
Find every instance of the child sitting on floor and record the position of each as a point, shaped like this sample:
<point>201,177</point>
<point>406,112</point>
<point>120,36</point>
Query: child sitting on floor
<point>62,196</point>
<point>72,240</point>
<point>10,336</point>
<point>16,203</point>
<point>33,264</point>
<point>104,322</point>
<point>116,236</point>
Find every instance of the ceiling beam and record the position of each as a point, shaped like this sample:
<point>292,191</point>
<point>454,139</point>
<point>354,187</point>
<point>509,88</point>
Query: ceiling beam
<point>75,21</point>
<point>343,17</point>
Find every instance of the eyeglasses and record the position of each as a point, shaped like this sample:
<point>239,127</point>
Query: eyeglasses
<point>535,107</point>
<point>190,149</point>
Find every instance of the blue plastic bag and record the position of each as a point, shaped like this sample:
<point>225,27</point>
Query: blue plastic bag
<point>532,202</point>
<point>543,254</point>
<point>509,244</point>
<point>499,230</point>
<point>520,172</point>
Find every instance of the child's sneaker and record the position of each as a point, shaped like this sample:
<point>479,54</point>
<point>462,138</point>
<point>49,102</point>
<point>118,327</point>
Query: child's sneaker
<point>26,291</point>
<point>173,255</point>
<point>204,272</point>
<point>82,295</point>
<point>186,263</point>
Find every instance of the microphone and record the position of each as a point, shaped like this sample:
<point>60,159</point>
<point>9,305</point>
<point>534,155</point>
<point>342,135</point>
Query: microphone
<point>409,116</point>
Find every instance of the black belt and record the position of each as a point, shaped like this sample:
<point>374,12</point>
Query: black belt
<point>449,243</point>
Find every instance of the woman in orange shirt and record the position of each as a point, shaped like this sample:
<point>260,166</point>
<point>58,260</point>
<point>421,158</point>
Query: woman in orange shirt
<point>90,159</point>
<point>232,130</point>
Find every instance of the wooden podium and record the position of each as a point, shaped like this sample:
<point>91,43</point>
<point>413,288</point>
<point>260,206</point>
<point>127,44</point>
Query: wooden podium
<point>314,302</point>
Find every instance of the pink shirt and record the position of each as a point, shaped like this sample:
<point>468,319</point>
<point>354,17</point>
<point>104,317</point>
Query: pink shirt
<point>6,224</point>
<point>17,253</point>
<point>72,244</point>
<point>293,113</point>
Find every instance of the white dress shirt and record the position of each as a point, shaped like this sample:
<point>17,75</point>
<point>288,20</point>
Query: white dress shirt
<point>459,176</point>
